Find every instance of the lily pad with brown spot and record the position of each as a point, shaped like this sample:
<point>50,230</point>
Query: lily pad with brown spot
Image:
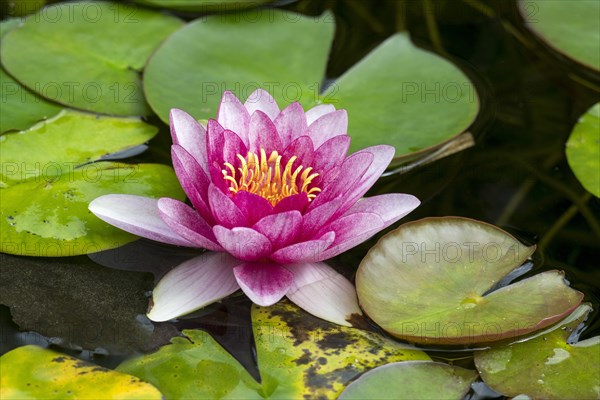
<point>429,281</point>
<point>550,366</point>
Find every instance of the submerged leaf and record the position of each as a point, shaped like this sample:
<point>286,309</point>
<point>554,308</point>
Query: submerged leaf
<point>549,366</point>
<point>37,373</point>
<point>428,282</point>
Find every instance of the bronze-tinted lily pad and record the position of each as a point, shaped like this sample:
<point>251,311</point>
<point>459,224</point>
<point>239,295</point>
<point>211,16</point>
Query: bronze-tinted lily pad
<point>411,380</point>
<point>428,282</point>
<point>298,356</point>
<point>548,366</point>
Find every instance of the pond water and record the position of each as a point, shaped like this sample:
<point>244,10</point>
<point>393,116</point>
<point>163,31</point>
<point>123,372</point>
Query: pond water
<point>516,177</point>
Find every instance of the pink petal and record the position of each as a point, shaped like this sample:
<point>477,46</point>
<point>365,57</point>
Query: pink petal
<point>215,143</point>
<point>351,231</point>
<point>243,243</point>
<point>302,148</point>
<point>320,290</point>
<point>295,202</point>
<point>311,250</point>
<point>318,217</point>
<point>184,220</point>
<point>262,134</point>
<point>390,207</point>
<point>264,283</point>
<point>281,229</point>
<point>331,154</point>
<point>193,179</point>
<point>252,206</point>
<point>328,126</point>
<point>318,111</point>
<point>193,284</point>
<point>224,209</point>
<point>261,100</point>
<point>138,215</point>
<point>234,116</point>
<point>291,123</point>
<point>232,146</point>
<point>189,134</point>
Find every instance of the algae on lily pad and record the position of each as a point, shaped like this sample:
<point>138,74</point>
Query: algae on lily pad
<point>411,380</point>
<point>429,281</point>
<point>570,27</point>
<point>49,216</point>
<point>87,55</point>
<point>65,142</point>
<point>37,373</point>
<point>398,94</point>
<point>549,366</point>
<point>298,356</point>
<point>583,150</point>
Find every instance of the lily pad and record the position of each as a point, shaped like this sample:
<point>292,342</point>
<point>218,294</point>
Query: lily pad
<point>583,150</point>
<point>21,108</point>
<point>280,51</point>
<point>92,54</point>
<point>65,142</point>
<point>298,355</point>
<point>570,27</point>
<point>402,95</point>
<point>204,5</point>
<point>49,216</point>
<point>36,373</point>
<point>547,367</point>
<point>411,380</point>
<point>429,281</point>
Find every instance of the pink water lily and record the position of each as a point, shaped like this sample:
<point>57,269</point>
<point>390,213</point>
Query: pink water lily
<point>273,194</point>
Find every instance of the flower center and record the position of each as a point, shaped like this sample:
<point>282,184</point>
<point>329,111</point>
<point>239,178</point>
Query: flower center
<point>266,177</point>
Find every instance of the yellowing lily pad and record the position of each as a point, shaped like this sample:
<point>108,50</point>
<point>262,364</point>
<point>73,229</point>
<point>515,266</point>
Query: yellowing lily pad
<point>67,141</point>
<point>583,150</point>
<point>49,216</point>
<point>404,96</point>
<point>87,55</point>
<point>546,367</point>
<point>411,380</point>
<point>31,372</point>
<point>282,52</point>
<point>21,108</point>
<point>570,27</point>
<point>429,281</point>
<point>298,356</point>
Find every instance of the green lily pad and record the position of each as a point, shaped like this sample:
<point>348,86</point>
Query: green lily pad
<point>570,27</point>
<point>283,52</point>
<point>547,367</point>
<point>65,142</point>
<point>92,54</point>
<point>21,108</point>
<point>405,96</point>
<point>583,150</point>
<point>298,356</point>
<point>36,373</point>
<point>428,282</point>
<point>204,5</point>
<point>411,380</point>
<point>50,217</point>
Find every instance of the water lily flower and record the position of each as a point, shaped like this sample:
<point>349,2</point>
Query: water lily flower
<point>273,193</point>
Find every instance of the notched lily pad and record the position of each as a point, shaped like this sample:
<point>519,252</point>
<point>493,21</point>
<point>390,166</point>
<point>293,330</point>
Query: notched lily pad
<point>92,54</point>
<point>298,356</point>
<point>428,282</point>
<point>570,27</point>
<point>49,216</point>
<point>549,366</point>
<point>583,150</point>
<point>65,142</point>
<point>37,373</point>
<point>411,380</point>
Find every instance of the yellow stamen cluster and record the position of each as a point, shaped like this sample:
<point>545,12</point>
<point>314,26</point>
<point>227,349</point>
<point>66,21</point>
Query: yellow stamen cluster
<point>264,176</point>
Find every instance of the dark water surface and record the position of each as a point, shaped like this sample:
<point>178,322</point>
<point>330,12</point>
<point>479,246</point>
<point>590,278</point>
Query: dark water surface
<point>515,177</point>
